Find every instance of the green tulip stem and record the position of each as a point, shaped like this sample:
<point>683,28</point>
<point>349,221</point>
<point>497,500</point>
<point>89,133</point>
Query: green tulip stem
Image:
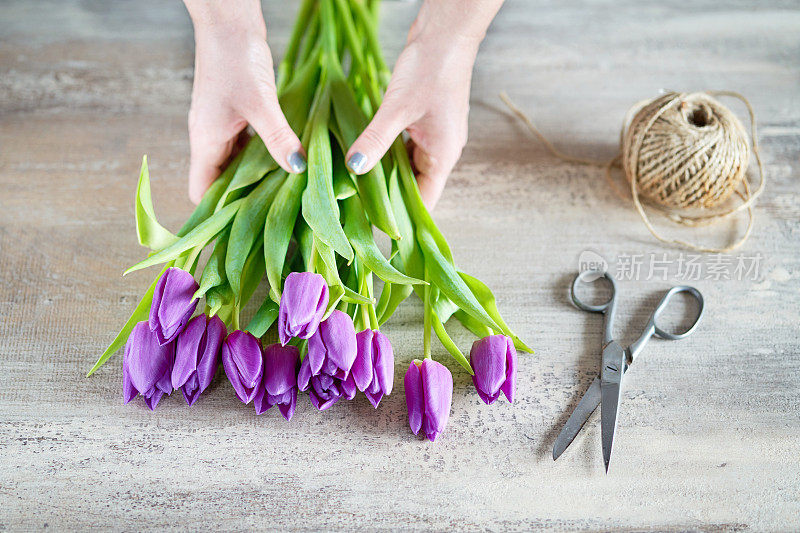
<point>235,317</point>
<point>364,308</point>
<point>373,317</point>
<point>367,310</point>
<point>303,347</point>
<point>286,66</point>
<point>426,320</point>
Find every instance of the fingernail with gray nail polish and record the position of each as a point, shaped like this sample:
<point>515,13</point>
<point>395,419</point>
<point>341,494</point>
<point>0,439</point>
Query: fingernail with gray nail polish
<point>297,162</point>
<point>356,162</point>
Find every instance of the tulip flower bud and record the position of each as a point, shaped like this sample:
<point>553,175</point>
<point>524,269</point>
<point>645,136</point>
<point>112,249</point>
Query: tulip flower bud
<point>429,392</point>
<point>197,356</point>
<point>243,363</point>
<point>173,304</point>
<point>494,361</point>
<point>326,368</point>
<point>146,366</point>
<point>324,389</point>
<point>373,369</point>
<point>332,349</point>
<point>303,304</point>
<point>279,384</point>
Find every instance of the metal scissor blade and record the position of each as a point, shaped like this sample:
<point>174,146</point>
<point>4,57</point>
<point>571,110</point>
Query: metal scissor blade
<point>585,408</point>
<point>614,360</point>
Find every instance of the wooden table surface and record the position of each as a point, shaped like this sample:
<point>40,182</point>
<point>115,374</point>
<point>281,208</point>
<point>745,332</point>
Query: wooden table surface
<point>709,431</point>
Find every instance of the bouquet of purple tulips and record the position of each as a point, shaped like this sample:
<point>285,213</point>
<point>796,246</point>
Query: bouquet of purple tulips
<point>309,238</point>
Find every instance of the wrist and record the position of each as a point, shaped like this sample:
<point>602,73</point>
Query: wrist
<point>463,24</point>
<point>451,50</point>
<point>225,19</point>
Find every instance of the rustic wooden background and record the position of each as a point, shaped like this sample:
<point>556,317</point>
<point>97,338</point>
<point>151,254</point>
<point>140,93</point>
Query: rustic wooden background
<point>709,435</point>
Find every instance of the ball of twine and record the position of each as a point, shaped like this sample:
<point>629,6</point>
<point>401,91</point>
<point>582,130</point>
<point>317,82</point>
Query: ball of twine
<point>685,155</point>
<point>685,150</point>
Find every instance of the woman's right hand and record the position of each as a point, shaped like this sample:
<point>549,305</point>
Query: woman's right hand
<point>234,85</point>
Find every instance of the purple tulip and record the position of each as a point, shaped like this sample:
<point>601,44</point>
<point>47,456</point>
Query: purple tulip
<point>173,304</point>
<point>243,363</point>
<point>494,361</point>
<point>332,349</point>
<point>197,356</point>
<point>303,304</point>
<point>324,389</point>
<point>373,369</point>
<point>146,366</point>
<point>279,385</point>
<point>326,369</point>
<point>429,392</point>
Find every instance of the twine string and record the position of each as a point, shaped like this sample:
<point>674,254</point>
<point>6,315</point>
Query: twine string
<point>680,151</point>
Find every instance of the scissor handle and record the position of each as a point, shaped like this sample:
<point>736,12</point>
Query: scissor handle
<point>608,308</point>
<point>653,329</point>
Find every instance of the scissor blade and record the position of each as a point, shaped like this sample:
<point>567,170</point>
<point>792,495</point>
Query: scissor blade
<point>610,391</point>
<point>585,408</point>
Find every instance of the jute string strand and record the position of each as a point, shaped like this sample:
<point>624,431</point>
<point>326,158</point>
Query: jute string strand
<point>680,152</point>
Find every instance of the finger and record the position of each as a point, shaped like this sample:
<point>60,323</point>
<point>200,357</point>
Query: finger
<point>206,161</point>
<point>271,125</point>
<point>389,122</point>
<point>432,174</point>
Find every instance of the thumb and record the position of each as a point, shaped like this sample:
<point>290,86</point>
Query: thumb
<point>389,122</point>
<point>282,143</point>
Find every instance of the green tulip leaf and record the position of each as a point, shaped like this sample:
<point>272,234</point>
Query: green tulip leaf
<point>248,225</point>
<point>444,276</point>
<point>343,188</point>
<point>219,301</point>
<point>413,201</point>
<point>477,327</point>
<point>351,121</point>
<point>444,307</point>
<point>202,234</point>
<point>351,296</point>
<point>352,37</point>
<point>305,244</point>
<point>383,299</point>
<point>343,185</point>
<point>325,262</point>
<point>335,295</point>
<point>397,295</point>
<point>448,343</point>
<point>212,197</point>
<point>304,18</point>
<point>255,163</point>
<point>278,230</point>
<point>485,296</point>
<point>151,234</point>
<point>264,318</point>
<point>408,249</point>
<point>319,206</point>
<point>214,271</point>
<point>295,100</point>
<point>359,232</point>
<point>252,274</point>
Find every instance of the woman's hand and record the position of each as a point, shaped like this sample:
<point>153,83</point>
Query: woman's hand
<point>428,94</point>
<point>234,85</point>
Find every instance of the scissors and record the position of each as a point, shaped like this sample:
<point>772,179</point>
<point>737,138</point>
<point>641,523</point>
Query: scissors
<point>606,389</point>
